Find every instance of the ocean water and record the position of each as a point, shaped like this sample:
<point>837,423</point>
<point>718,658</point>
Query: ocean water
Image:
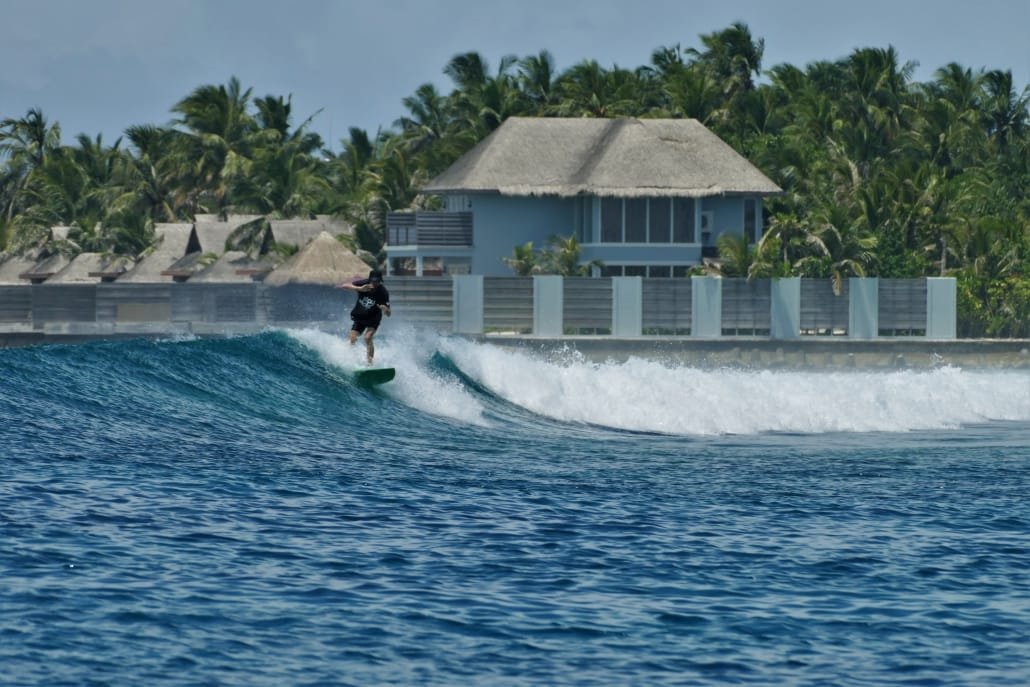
<point>237,512</point>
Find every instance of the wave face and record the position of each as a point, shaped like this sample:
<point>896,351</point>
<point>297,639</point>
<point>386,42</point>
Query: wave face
<point>237,511</point>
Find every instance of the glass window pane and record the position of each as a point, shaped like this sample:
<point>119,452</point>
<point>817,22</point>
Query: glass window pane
<point>658,220</point>
<point>636,220</point>
<point>611,220</point>
<point>749,219</point>
<point>458,265</point>
<point>432,267</point>
<point>402,267</point>
<point>683,221</point>
<point>611,271</point>
<point>636,270</point>
<point>659,271</point>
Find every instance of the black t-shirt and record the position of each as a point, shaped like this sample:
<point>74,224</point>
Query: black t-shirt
<point>367,305</point>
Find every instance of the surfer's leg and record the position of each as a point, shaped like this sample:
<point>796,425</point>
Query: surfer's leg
<point>369,346</point>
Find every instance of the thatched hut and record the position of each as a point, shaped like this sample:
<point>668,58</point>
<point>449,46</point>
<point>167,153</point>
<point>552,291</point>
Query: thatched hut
<point>174,241</point>
<point>13,266</point>
<point>45,268</point>
<point>324,261</point>
<point>92,268</point>
<point>232,267</point>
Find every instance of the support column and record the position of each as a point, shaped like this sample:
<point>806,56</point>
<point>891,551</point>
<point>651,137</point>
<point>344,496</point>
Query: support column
<point>863,307</point>
<point>785,308</point>
<point>627,306</point>
<point>467,301</point>
<point>706,307</point>
<point>548,305</point>
<point>941,308</point>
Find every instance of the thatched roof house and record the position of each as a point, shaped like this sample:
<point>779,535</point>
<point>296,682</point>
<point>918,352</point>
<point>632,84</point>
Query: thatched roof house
<point>13,266</point>
<point>324,261</point>
<point>172,244</point>
<point>212,232</point>
<point>91,268</point>
<point>627,158</point>
<point>46,268</point>
<point>232,267</point>
<point>300,232</point>
<point>642,197</point>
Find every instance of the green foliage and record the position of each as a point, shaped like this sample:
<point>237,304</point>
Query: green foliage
<point>996,308</point>
<point>524,260</point>
<point>562,256</point>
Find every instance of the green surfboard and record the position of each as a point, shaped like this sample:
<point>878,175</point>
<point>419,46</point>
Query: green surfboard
<point>374,376</point>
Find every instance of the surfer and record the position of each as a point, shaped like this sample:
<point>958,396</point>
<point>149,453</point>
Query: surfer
<point>373,301</point>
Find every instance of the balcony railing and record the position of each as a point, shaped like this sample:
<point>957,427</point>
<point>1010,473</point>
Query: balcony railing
<point>429,228</point>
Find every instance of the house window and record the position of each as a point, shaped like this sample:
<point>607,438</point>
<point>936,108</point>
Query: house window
<point>750,219</point>
<point>683,221</point>
<point>611,220</point>
<point>636,220</point>
<point>659,271</point>
<point>635,271</point>
<point>611,271</point>
<point>647,220</point>
<point>659,220</point>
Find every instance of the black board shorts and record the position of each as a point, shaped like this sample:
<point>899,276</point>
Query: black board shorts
<point>360,324</point>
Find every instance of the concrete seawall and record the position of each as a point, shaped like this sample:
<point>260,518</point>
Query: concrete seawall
<point>749,352</point>
<point>761,353</point>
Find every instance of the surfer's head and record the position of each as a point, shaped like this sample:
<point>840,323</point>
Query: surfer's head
<point>376,277</point>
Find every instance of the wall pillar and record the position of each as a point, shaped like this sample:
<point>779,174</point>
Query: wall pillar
<point>467,301</point>
<point>863,307</point>
<point>548,305</point>
<point>706,307</point>
<point>627,306</point>
<point>785,308</point>
<point>941,308</point>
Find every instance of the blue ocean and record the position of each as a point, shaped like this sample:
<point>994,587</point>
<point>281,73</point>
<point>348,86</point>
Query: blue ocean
<point>236,511</point>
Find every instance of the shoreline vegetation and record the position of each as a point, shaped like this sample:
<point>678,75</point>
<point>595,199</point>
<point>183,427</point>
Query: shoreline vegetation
<point>883,176</point>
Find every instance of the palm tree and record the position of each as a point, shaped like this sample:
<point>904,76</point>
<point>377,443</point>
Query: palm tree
<point>588,90</point>
<point>733,56</point>
<point>217,142</point>
<point>26,144</point>
<point>430,130</point>
<point>524,261</point>
<point>537,80</point>
<point>480,100</point>
<point>563,257</point>
<point>842,248</point>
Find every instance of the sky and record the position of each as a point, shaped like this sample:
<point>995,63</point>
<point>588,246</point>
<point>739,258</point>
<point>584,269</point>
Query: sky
<point>100,66</point>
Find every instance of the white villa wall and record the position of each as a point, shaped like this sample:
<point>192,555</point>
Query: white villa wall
<point>499,224</point>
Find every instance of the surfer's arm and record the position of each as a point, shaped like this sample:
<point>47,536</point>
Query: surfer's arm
<point>360,286</point>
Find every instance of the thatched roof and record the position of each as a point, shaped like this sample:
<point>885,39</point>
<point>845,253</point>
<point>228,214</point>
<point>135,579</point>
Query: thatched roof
<point>298,232</point>
<point>46,268</point>
<point>529,156</point>
<point>90,268</point>
<point>59,232</point>
<point>173,242</point>
<point>233,266</point>
<point>13,266</point>
<point>212,232</point>
<point>323,261</point>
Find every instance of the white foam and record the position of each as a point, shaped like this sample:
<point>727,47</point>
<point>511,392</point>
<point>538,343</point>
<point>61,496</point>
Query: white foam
<point>645,395</point>
<point>409,351</point>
